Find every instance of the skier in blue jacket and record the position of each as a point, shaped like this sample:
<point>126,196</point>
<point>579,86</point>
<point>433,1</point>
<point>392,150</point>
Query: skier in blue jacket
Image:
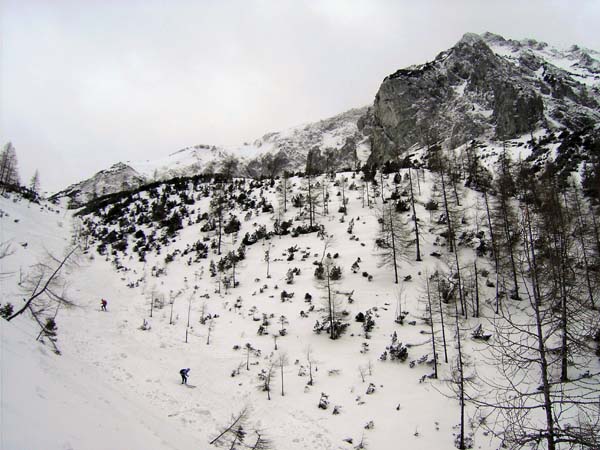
<point>184,375</point>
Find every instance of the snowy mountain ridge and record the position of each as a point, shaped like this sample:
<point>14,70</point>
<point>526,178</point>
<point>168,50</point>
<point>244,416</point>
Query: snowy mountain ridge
<point>339,133</point>
<point>581,62</point>
<point>485,88</point>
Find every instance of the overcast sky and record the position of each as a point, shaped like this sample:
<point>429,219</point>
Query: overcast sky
<point>87,83</point>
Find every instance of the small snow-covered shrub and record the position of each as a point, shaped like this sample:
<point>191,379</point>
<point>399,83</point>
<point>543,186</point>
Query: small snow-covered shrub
<point>402,206</point>
<point>232,226</point>
<point>335,273</point>
<point>7,310</point>
<point>368,322</point>
<point>431,205</point>
<point>396,350</point>
<point>324,401</point>
<point>320,272</point>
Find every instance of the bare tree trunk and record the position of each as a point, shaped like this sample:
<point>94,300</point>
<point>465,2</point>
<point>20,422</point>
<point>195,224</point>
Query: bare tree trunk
<point>541,346</point>
<point>363,195</point>
<point>220,221</point>
<point>550,438</point>
<point>310,363</point>
<point>460,289</point>
<point>596,232</point>
<point>282,362</point>
<point>282,392</point>
<point>435,371</point>
<point>531,256</point>
<point>580,232</point>
<point>416,222</point>
<point>392,235</point>
<point>448,220</point>
<point>452,246</point>
<point>233,261</point>
<point>310,202</point>
<point>343,186</point>
<point>37,293</point>
<point>461,384</point>
<point>453,178</point>
<point>269,385</point>
<point>284,193</point>
<point>330,305</point>
<point>509,240</point>
<point>476,312</point>
<point>494,247</point>
<point>210,327</point>
<point>442,320</point>
<point>562,254</point>
<point>151,302</point>
<point>239,418</point>
<point>172,301</point>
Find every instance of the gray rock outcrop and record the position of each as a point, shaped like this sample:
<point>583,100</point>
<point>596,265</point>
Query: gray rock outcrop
<point>472,91</point>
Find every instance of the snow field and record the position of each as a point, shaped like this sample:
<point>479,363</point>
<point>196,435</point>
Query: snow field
<point>144,365</point>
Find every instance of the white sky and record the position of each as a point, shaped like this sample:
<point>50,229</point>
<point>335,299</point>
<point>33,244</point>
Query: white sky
<point>87,83</point>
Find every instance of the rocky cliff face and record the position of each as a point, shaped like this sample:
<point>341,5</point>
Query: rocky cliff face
<point>483,87</point>
<point>333,143</point>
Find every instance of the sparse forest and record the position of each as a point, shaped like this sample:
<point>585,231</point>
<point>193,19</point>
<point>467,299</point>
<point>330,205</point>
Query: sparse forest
<point>507,266</point>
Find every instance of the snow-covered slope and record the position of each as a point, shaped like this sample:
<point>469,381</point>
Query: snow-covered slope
<point>59,402</point>
<point>117,379</point>
<point>403,406</point>
<point>117,386</point>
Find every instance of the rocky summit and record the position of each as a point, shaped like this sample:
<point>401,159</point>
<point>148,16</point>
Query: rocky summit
<point>484,87</point>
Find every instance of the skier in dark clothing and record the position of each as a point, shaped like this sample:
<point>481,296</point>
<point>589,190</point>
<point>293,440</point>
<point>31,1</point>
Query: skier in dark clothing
<point>103,304</point>
<point>184,375</point>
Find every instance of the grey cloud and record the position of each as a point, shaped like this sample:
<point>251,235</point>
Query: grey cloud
<point>87,84</point>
